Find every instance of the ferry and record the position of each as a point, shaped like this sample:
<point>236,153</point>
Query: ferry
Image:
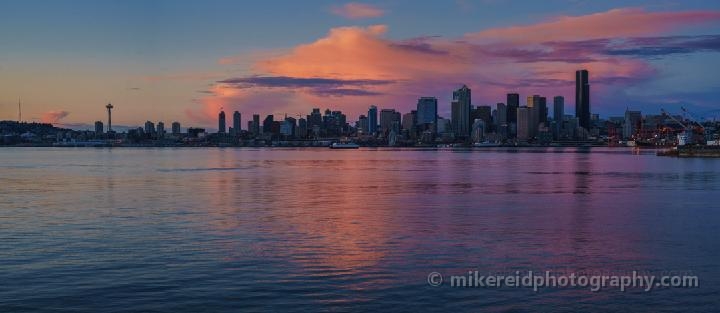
<point>486,144</point>
<point>344,145</point>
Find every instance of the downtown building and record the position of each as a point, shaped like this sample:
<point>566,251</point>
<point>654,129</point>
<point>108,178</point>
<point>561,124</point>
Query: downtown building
<point>460,112</point>
<point>427,114</point>
<point>372,120</point>
<point>221,122</point>
<point>582,99</point>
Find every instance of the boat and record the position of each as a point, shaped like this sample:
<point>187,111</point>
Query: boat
<point>344,145</point>
<point>487,144</point>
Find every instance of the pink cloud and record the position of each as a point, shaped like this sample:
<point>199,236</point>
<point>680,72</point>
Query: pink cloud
<point>627,22</point>
<point>354,11</point>
<point>53,117</point>
<point>334,71</point>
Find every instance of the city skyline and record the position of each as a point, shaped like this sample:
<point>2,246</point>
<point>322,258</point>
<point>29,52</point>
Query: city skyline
<point>518,121</point>
<point>642,55</point>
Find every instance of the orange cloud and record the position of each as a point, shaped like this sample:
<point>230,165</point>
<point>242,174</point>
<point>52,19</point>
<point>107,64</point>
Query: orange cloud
<point>627,22</point>
<point>53,117</point>
<point>354,10</point>
<point>352,53</point>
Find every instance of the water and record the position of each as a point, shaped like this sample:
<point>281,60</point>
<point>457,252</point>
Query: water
<point>220,230</point>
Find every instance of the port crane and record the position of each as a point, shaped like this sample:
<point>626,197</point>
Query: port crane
<point>692,118</point>
<point>700,126</point>
<point>686,136</point>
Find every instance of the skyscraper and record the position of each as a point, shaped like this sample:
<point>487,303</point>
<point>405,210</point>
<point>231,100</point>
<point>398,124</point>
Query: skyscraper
<point>288,127</point>
<point>314,119</point>
<point>267,127</point>
<point>483,112</point>
<point>533,105</point>
<point>221,122</point>
<point>409,120</point>
<point>457,118</point>
<point>256,124</point>
<point>582,98</point>
<point>149,128</point>
<point>387,117</point>
<point>302,128</point>
<point>513,102</point>
<point>372,120</point>
<point>160,129</point>
<point>236,122</point>
<point>542,110</point>
<point>98,128</point>
<point>176,128</point>
<point>362,124</point>
<point>501,122</point>
<point>460,111</point>
<point>633,124</point>
<point>524,117</point>
<point>558,114</point>
<point>427,113</point>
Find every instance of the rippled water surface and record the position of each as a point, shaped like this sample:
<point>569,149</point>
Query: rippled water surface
<point>220,230</point>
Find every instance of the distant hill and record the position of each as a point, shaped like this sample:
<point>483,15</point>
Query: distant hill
<point>41,129</point>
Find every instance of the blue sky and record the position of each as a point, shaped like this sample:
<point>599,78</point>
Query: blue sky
<point>161,59</point>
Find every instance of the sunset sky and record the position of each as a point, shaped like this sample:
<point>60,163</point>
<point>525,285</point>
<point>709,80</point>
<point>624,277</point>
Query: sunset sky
<point>184,60</point>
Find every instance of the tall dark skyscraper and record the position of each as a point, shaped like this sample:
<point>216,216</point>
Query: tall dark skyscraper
<point>372,120</point>
<point>542,111</point>
<point>237,122</point>
<point>267,127</point>
<point>460,108</point>
<point>221,122</point>
<point>558,115</point>
<point>513,102</point>
<point>582,98</point>
<point>256,124</point>
<point>558,108</point>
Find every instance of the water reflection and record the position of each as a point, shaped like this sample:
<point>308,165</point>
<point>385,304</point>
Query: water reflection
<point>310,229</point>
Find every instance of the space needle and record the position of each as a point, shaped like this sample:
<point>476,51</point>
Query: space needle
<point>109,107</point>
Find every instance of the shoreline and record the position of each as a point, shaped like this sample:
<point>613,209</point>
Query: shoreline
<point>441,146</point>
